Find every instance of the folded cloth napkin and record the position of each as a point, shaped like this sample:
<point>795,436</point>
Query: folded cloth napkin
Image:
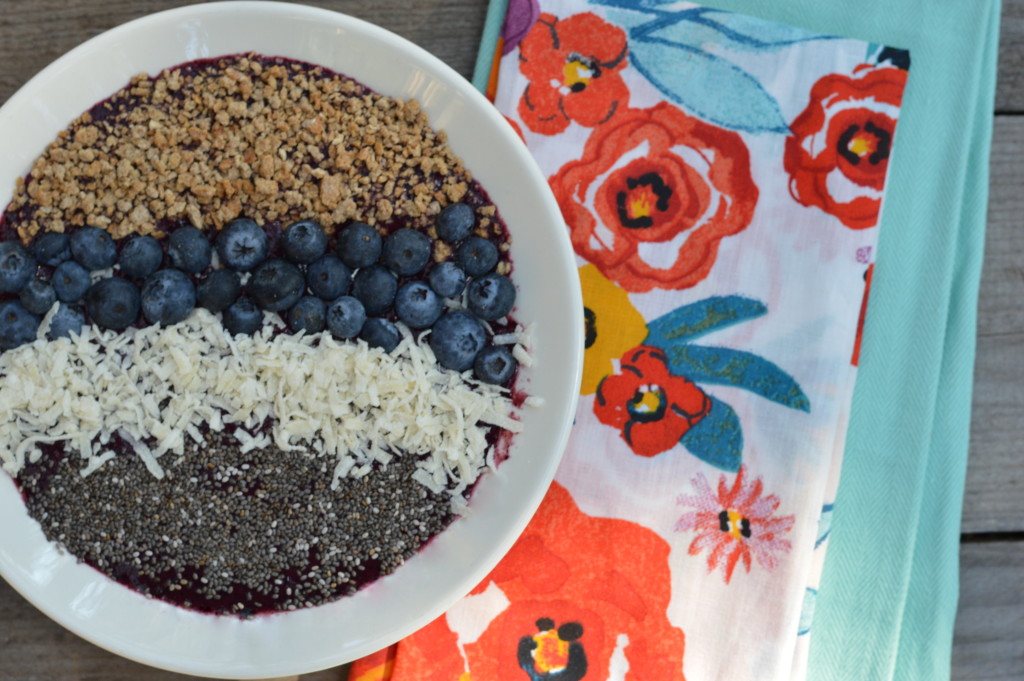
<point>722,179</point>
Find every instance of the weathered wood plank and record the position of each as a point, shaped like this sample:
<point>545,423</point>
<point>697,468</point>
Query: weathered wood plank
<point>999,309</point>
<point>36,32</point>
<point>36,648</point>
<point>994,497</point>
<point>1010,86</point>
<point>989,641</point>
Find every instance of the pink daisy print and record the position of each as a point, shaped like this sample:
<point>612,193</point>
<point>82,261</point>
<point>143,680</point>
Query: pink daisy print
<point>734,523</point>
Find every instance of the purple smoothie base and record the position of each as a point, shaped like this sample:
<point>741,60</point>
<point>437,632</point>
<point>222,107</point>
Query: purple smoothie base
<point>476,197</point>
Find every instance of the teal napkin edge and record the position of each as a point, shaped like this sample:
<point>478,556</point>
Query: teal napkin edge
<point>887,599</point>
<point>488,43</point>
<point>926,638</point>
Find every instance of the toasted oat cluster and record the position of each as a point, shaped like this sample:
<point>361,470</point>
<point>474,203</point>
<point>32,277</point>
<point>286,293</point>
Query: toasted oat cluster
<point>245,135</point>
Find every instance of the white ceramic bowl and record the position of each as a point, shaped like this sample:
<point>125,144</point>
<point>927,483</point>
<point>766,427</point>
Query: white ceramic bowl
<point>162,635</point>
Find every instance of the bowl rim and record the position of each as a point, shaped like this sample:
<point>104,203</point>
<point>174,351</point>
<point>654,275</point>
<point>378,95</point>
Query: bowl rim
<point>559,441</point>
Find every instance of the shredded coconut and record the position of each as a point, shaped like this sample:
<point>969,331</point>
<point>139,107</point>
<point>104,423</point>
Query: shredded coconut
<point>158,385</point>
<point>521,355</point>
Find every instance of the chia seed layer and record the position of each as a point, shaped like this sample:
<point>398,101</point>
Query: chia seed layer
<point>232,533</point>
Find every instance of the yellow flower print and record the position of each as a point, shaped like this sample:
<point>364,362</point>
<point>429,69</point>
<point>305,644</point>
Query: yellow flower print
<point>613,326</point>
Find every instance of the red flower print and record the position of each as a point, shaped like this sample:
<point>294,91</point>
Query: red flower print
<point>838,152</point>
<point>577,589</point>
<point>573,67</point>
<point>652,407</point>
<point>515,126</point>
<point>855,359</point>
<point>654,193</point>
<point>735,523</point>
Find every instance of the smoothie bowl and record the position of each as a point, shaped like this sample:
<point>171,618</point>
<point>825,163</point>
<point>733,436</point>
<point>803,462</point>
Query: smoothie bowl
<point>292,339</point>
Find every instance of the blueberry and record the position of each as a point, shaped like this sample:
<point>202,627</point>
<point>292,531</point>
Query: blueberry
<point>17,325</point>
<point>68,319</point>
<point>406,251</point>
<point>304,242</point>
<point>16,266</point>
<point>140,257</point>
<point>243,317</point>
<point>219,289</point>
<point>456,339</point>
<point>380,333</point>
<point>38,296</point>
<point>52,248</point>
<point>242,244</point>
<point>491,296</point>
<point>307,315</point>
<point>375,287</point>
<point>328,277</point>
<point>189,250</point>
<point>417,306</point>
<point>476,256</point>
<point>345,317</point>
<point>359,245</point>
<point>455,222</point>
<point>93,248</point>
<point>70,281</point>
<point>495,364</point>
<point>447,279</point>
<point>113,303</point>
<point>276,285</point>
<point>168,297</point>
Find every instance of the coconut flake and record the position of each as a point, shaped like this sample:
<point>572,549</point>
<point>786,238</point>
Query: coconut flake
<point>358,405</point>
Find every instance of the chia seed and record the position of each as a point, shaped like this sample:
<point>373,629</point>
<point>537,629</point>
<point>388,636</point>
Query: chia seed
<point>232,533</point>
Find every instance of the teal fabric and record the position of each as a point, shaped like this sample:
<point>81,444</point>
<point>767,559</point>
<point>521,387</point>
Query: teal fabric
<point>888,596</point>
<point>488,42</point>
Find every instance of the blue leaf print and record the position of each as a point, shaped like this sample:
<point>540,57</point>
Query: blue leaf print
<point>824,525</point>
<point>807,611</point>
<point>648,6</point>
<point>627,19</point>
<point>717,438</point>
<point>723,366</point>
<point>710,86</point>
<point>705,24</point>
<point>697,319</point>
<point>734,31</point>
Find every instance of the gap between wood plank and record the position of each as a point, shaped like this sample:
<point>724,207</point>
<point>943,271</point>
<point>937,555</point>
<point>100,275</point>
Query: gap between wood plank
<point>991,537</point>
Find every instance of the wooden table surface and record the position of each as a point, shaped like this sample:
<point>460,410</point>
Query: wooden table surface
<point>989,639</point>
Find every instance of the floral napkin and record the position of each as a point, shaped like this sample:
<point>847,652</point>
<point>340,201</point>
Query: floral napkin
<point>721,179</point>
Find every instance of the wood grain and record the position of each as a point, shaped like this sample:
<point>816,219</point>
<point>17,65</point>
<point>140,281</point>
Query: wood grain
<point>994,495</point>
<point>35,648</point>
<point>1010,89</point>
<point>989,640</point>
<point>36,32</point>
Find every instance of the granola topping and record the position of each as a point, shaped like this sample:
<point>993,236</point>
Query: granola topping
<point>212,140</point>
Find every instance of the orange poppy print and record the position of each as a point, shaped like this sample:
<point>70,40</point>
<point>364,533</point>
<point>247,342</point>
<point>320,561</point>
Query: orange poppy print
<point>838,153</point>
<point>572,602</point>
<point>573,66</point>
<point>653,194</point>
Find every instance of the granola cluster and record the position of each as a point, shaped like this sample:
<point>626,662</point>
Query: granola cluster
<point>268,139</point>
